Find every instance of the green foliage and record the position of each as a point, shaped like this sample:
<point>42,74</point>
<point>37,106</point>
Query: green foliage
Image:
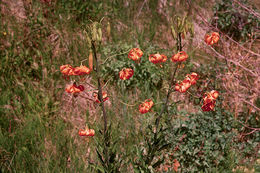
<point>34,137</point>
<point>107,152</point>
<point>146,74</point>
<point>203,142</point>
<point>248,141</point>
<point>80,10</point>
<point>146,158</point>
<point>234,20</point>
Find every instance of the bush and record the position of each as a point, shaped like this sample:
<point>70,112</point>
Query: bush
<point>146,75</point>
<point>203,141</point>
<point>235,21</point>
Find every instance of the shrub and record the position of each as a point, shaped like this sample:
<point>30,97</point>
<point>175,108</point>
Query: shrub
<point>235,21</point>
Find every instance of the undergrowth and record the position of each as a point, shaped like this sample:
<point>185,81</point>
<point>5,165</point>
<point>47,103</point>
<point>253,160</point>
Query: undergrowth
<point>35,137</point>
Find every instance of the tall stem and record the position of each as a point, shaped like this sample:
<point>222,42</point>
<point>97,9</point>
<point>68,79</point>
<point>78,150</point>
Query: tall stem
<point>100,93</point>
<point>165,108</point>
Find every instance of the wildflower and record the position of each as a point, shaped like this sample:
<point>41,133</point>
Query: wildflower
<point>74,88</point>
<point>86,132</point>
<point>209,101</point>
<point>135,54</point>
<point>67,70</point>
<point>179,57</point>
<point>104,95</point>
<point>176,165</point>
<point>212,39</point>
<point>146,106</point>
<point>189,80</point>
<point>166,167</point>
<point>90,61</point>
<point>81,70</point>
<point>183,86</point>
<point>126,73</point>
<point>193,77</point>
<point>157,58</point>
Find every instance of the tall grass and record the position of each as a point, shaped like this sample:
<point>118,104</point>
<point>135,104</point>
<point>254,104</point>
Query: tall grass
<point>35,136</point>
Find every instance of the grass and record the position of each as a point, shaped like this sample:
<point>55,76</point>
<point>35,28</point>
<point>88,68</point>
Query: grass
<point>39,121</point>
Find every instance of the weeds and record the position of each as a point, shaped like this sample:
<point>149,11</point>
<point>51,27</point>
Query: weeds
<point>147,115</point>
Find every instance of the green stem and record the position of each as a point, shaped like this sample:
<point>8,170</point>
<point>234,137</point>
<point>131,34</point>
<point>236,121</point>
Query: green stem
<point>165,107</point>
<point>100,97</point>
<point>100,92</point>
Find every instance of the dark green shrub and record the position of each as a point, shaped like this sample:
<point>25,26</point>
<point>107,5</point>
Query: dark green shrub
<point>235,21</point>
<point>203,141</point>
<point>146,74</point>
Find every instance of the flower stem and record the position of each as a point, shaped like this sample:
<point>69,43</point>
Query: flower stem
<point>100,95</point>
<point>165,108</point>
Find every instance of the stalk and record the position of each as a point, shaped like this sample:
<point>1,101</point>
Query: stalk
<point>100,97</point>
<point>165,107</point>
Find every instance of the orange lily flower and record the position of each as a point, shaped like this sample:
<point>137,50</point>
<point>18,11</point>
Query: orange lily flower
<point>183,86</point>
<point>105,97</point>
<point>135,54</point>
<point>66,70</point>
<point>86,132</point>
<point>81,70</point>
<point>176,165</point>
<point>193,77</point>
<point>157,58</point>
<point>212,39</point>
<point>209,101</point>
<point>189,80</point>
<point>146,106</point>
<point>179,57</point>
<point>74,88</point>
<point>126,73</point>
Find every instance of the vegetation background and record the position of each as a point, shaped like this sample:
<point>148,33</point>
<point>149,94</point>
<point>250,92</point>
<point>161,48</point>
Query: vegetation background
<point>39,122</point>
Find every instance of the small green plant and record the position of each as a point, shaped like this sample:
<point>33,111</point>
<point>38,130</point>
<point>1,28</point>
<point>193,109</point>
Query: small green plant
<point>235,21</point>
<point>202,142</point>
<point>146,74</point>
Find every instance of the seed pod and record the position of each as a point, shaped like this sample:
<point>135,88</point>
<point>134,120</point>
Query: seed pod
<point>99,34</point>
<point>88,40</point>
<point>94,31</point>
<point>90,61</point>
<point>108,30</point>
<point>191,29</point>
<point>178,24</point>
<point>173,32</point>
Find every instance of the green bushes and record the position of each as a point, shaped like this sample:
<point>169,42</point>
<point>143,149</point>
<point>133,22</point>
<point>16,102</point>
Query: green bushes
<point>35,136</point>
<point>146,75</point>
<point>234,20</point>
<point>206,141</point>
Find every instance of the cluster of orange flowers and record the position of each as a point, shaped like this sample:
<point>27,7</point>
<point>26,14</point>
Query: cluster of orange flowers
<point>212,38</point>
<point>68,70</point>
<point>135,54</point>
<point>126,73</point>
<point>104,95</point>
<point>157,58</point>
<point>179,57</point>
<point>209,101</point>
<point>74,88</point>
<point>189,80</point>
<point>174,166</point>
<point>86,132</point>
<point>146,106</point>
